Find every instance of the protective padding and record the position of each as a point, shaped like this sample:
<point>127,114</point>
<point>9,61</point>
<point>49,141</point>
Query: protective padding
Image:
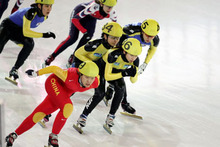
<point>38,116</point>
<point>67,110</point>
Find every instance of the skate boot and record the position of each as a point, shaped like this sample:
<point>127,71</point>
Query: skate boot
<point>53,140</point>
<point>48,61</point>
<point>127,108</point>
<point>70,61</point>
<point>44,120</point>
<point>109,120</point>
<point>81,122</point>
<point>108,94</point>
<point>10,139</point>
<point>14,73</point>
<point>109,123</point>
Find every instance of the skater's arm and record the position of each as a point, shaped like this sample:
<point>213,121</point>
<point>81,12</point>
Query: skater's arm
<point>152,49</point>
<point>27,18</point>
<point>59,72</point>
<point>81,54</point>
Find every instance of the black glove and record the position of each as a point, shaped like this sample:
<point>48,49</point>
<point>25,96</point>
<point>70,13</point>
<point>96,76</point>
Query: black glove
<point>87,36</point>
<point>49,34</point>
<point>31,73</point>
<point>129,71</point>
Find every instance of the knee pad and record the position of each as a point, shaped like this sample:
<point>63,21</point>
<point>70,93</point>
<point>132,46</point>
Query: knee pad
<point>38,116</point>
<point>67,110</point>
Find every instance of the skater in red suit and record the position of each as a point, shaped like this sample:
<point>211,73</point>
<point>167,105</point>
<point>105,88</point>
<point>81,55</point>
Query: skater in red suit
<point>59,86</point>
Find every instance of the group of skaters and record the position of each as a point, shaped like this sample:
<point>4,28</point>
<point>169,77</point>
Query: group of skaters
<point>110,58</point>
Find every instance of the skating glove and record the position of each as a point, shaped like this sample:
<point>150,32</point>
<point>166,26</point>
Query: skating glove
<point>129,71</point>
<point>87,36</point>
<point>31,73</point>
<point>49,34</point>
<point>142,68</point>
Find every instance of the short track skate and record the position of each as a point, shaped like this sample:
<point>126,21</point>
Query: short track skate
<point>11,80</point>
<point>132,115</point>
<point>42,123</point>
<point>78,128</point>
<point>107,128</point>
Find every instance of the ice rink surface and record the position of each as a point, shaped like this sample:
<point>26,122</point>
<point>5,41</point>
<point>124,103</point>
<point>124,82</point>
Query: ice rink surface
<point>178,94</point>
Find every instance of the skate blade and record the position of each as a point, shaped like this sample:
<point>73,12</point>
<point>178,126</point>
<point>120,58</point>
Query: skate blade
<point>105,101</point>
<point>11,80</point>
<point>131,115</point>
<point>42,124</point>
<point>107,129</point>
<point>78,129</point>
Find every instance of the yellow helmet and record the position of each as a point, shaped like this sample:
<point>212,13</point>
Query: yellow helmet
<point>89,69</point>
<point>150,27</point>
<point>113,29</point>
<point>110,3</point>
<point>132,46</point>
<point>47,2</point>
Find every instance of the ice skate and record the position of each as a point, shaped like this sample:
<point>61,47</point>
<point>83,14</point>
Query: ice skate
<point>42,123</point>
<point>52,141</point>
<point>108,94</point>
<point>13,76</point>
<point>81,122</point>
<point>70,61</point>
<point>109,123</point>
<point>10,139</point>
<point>129,111</point>
<point>48,61</point>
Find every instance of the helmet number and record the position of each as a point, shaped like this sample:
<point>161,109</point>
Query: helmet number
<point>127,45</point>
<point>82,65</point>
<point>108,27</point>
<point>144,25</point>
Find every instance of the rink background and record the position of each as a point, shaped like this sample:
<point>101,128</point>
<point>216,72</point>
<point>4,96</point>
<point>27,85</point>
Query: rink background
<point>178,94</point>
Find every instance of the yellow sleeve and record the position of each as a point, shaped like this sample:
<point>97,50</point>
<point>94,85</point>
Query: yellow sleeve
<point>109,76</point>
<point>81,54</point>
<point>150,54</point>
<point>59,72</point>
<point>27,29</point>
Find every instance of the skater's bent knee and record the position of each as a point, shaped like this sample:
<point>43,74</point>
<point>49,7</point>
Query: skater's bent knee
<point>38,116</point>
<point>67,110</point>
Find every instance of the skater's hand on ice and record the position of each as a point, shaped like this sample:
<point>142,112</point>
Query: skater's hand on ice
<point>31,73</point>
<point>49,34</point>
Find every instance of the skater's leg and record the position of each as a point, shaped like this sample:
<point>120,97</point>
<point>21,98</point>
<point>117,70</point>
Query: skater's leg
<point>92,102</point>
<point>28,46</point>
<point>4,34</point>
<point>64,113</point>
<point>119,87</point>
<point>89,25</point>
<point>3,6</point>
<point>126,105</point>
<point>40,111</point>
<point>96,98</point>
<point>71,39</point>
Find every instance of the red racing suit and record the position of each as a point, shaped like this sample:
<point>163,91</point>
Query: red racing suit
<point>59,86</point>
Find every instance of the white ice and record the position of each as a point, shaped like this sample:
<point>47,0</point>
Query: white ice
<point>178,94</point>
